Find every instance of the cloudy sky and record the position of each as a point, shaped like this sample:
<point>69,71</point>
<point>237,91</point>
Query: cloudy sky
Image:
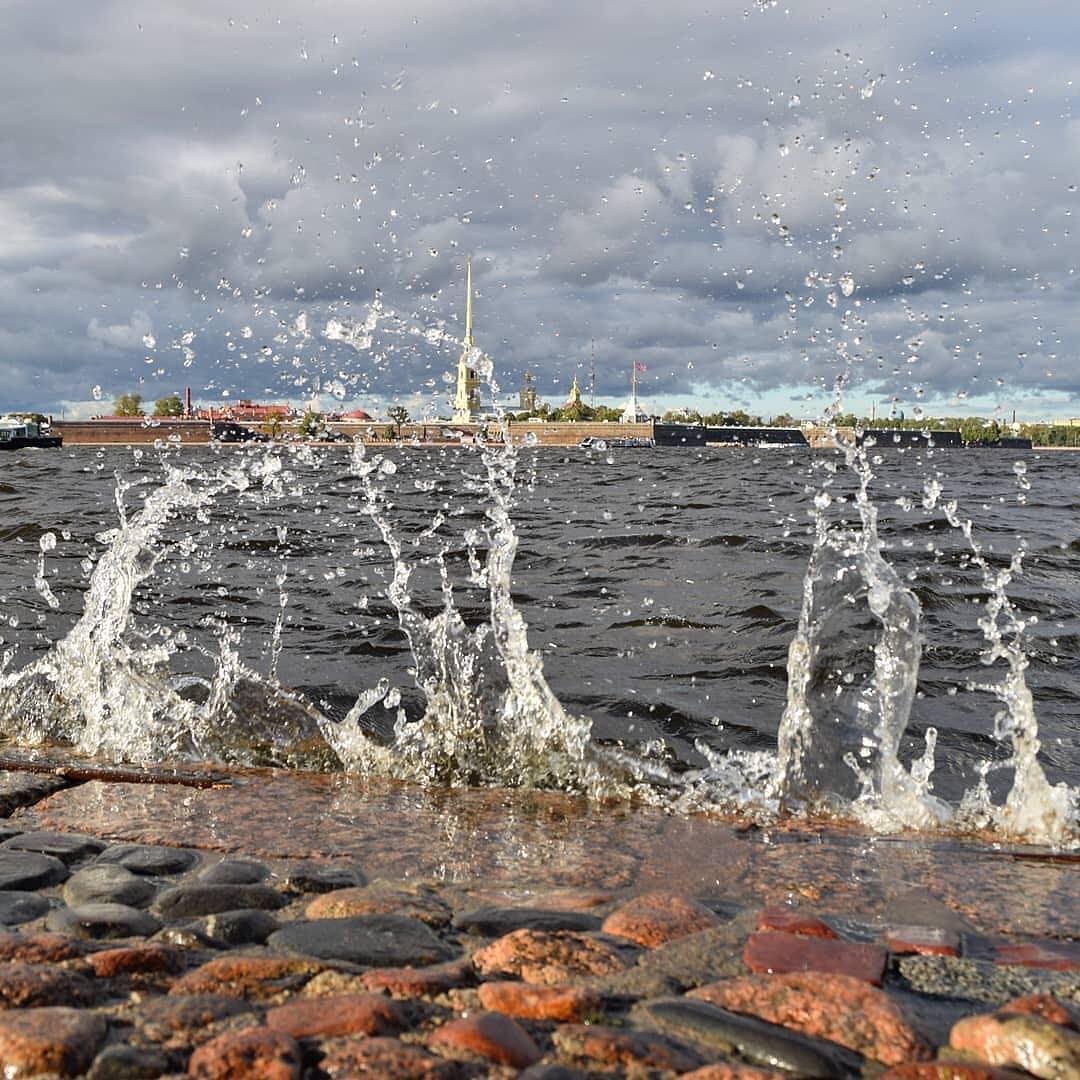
<point>275,201</point>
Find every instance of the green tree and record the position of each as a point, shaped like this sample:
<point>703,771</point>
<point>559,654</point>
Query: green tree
<point>312,424</point>
<point>400,415</point>
<point>272,425</point>
<point>169,406</point>
<point>128,405</point>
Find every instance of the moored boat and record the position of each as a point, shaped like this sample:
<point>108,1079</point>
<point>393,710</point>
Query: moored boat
<point>20,433</point>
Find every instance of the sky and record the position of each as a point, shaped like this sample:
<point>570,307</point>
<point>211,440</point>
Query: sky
<point>758,203</point>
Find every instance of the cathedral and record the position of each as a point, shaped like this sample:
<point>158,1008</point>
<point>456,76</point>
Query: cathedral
<point>467,392</point>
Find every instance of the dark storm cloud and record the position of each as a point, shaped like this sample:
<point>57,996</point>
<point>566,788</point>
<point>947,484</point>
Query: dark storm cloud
<point>745,199</point>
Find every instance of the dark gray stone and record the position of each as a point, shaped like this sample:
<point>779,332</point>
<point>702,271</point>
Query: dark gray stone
<point>102,921</point>
<point>107,884</point>
<point>752,1039</point>
<point>496,921</point>
<point>704,957</point>
<point>21,907</point>
<point>245,927</point>
<point>370,940</point>
<point>234,872</point>
<point>119,1062</point>
<point>984,981</point>
<point>149,859</point>
<point>551,1072</point>
<point>24,789</point>
<point>27,870</point>
<point>203,898</point>
<point>67,847</point>
<point>322,877</point>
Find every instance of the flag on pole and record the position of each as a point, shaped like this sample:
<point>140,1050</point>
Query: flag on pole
<point>639,367</point>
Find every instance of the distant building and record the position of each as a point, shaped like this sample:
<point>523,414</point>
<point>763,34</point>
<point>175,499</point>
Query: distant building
<point>574,400</point>
<point>527,394</point>
<point>245,410</point>
<point>467,391</point>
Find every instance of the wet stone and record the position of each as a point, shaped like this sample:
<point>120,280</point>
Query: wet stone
<point>772,953</point>
<point>947,1070</point>
<point>656,918</point>
<point>1045,1005</point>
<point>496,921</point>
<point>107,884</point>
<point>149,858</point>
<point>1053,955</point>
<point>24,789</point>
<point>25,870</point>
<point>489,1035</point>
<point>135,960</point>
<point>614,1046</point>
<point>255,1053</point>
<point>321,877</point>
<point>244,927</point>
<point>730,1071</point>
<point>21,907</point>
<point>23,985</point>
<point>38,948</point>
<point>94,922</point>
<point>255,977</point>
<point>374,940</point>
<point>923,940</point>
<point>561,1003</point>
<point>120,1062</point>
<point>755,1040</point>
<point>788,920</point>
<point>1022,1041</point>
<point>347,1014</point>
<point>207,898</point>
<point>49,1041</point>
<point>410,982</point>
<point>703,957</point>
<point>389,1059</point>
<point>380,899</point>
<point>67,847</point>
<point>541,1071</point>
<point>234,872</point>
<point>839,1008</point>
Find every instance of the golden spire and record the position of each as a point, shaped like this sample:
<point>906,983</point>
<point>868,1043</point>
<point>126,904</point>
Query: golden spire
<point>468,342</point>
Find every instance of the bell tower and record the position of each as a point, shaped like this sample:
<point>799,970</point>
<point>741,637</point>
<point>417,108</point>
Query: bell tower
<point>467,392</point>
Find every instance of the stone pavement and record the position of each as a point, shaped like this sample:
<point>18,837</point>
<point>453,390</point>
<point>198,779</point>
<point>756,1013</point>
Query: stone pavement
<point>290,925</point>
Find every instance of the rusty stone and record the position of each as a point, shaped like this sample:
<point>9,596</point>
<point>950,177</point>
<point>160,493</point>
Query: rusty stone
<point>390,1059</point>
<point>28,985</point>
<point>1022,1041</point>
<point>549,958</point>
<point>1045,1005</point>
<point>135,960</point>
<point>723,1071</point>
<point>946,1070</point>
<point>788,920</point>
<point>379,900</point>
<point>182,1021</point>
<point>39,948</point>
<point>656,918</point>
<point>419,982</point>
<point>922,940</point>
<point>771,953</point>
<point>257,978</point>
<point>1055,955</point>
<point>489,1035</point>
<point>839,1008</point>
<point>54,1041</point>
<point>349,1014</point>
<point>612,1046</point>
<point>562,1003</point>
<point>255,1053</point>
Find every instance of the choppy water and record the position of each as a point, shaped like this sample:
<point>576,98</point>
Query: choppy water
<point>662,589</point>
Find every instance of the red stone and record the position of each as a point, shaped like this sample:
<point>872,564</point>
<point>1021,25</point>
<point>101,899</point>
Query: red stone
<point>350,1014</point>
<point>1045,1005</point>
<point>773,954</point>
<point>374,900</point>
<point>792,921</point>
<point>548,957</point>
<point>488,1035</point>
<point>257,978</point>
<point>924,940</point>
<point>23,985</point>
<point>135,960</point>
<point>419,982</point>
<point>612,1046</point>
<point>946,1070</point>
<point>571,900</point>
<point>57,1042</point>
<point>251,1054</point>
<point>656,918</point>
<point>1056,955</point>
<point>564,1003</point>
<point>388,1059</point>
<point>839,1008</point>
<point>190,1019</point>
<point>734,1072</point>
<point>42,948</point>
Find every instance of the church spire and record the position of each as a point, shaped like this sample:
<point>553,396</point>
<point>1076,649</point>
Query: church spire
<point>468,342</point>
<point>467,390</point>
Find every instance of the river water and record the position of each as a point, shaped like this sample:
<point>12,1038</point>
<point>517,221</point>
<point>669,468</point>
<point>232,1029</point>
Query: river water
<point>661,591</point>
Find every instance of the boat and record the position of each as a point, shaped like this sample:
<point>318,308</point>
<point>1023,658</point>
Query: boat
<point>20,433</point>
<point>591,442</point>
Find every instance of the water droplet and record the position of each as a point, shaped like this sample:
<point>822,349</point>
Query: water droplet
<point>149,340</point>
<point>96,391</point>
<point>847,284</point>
